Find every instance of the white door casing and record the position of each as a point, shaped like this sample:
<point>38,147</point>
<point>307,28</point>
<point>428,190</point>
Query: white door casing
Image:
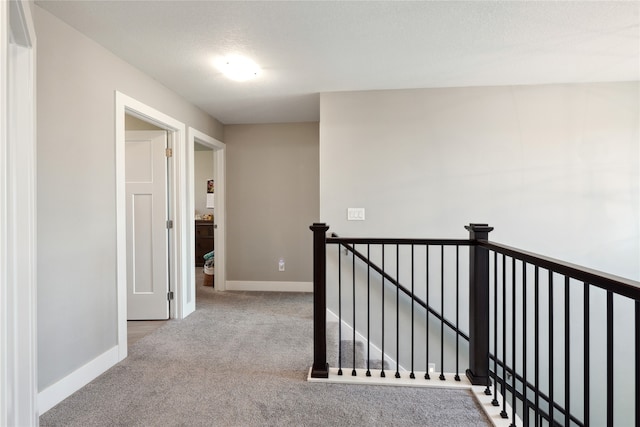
<point>147,238</point>
<point>18,285</point>
<point>219,149</point>
<point>182,221</point>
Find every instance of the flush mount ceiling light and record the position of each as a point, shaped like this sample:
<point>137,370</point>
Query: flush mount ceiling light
<point>238,68</point>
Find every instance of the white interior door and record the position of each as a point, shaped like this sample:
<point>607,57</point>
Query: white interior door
<point>147,237</point>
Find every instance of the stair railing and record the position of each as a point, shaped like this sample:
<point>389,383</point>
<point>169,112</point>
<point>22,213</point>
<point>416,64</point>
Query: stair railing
<point>388,280</point>
<point>430,315</point>
<point>403,289</point>
<point>561,392</point>
<point>520,306</point>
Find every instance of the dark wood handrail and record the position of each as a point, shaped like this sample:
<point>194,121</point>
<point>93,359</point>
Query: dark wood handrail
<point>609,282</point>
<point>392,241</point>
<point>452,242</point>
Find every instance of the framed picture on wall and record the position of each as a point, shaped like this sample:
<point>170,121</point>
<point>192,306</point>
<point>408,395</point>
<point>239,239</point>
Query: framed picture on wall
<point>210,195</point>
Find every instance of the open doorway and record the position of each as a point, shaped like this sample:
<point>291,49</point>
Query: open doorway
<point>177,258</point>
<point>147,190</point>
<point>207,200</point>
<point>204,214</point>
<point>181,210</point>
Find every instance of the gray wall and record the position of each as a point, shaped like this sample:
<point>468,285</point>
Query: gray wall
<point>76,190</point>
<point>554,168</point>
<point>272,198</point>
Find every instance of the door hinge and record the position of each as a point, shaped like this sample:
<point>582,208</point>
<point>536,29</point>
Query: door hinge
<point>169,224</point>
<point>170,295</point>
<point>168,152</point>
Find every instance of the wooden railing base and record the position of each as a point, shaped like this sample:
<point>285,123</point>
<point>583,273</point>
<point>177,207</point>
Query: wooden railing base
<point>476,379</point>
<point>320,372</point>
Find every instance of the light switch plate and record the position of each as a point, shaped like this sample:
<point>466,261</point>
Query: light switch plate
<point>355,214</point>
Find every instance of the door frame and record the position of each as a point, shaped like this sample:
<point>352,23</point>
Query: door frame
<point>179,277</point>
<point>220,155</point>
<point>18,250</point>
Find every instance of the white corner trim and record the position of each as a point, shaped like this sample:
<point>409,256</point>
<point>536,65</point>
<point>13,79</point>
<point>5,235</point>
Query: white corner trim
<point>57,392</point>
<point>121,226</point>
<point>238,285</point>
<point>18,189</point>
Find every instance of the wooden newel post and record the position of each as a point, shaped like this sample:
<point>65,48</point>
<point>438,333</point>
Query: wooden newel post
<point>478,372</point>
<point>320,367</point>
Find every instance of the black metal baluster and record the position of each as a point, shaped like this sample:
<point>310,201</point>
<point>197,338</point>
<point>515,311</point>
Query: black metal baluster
<point>382,374</point>
<point>567,355</point>
<point>368,311</point>
<point>610,358</point>
<point>457,377</point>
<point>353,276</point>
<point>426,256</point>
<point>339,311</point>
<point>587,357</point>
<point>503,413</point>
<point>397,312</point>
<point>412,375</point>
<point>551,403</point>
<point>525,389</point>
<point>495,402</point>
<point>442,378</point>
<point>513,342</point>
<point>536,344</point>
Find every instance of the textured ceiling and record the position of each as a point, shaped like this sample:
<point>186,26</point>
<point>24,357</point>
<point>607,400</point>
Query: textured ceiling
<point>306,48</point>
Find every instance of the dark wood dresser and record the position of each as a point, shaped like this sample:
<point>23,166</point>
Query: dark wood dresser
<point>204,240</point>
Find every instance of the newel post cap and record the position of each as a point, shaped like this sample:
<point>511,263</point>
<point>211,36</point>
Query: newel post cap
<point>478,231</point>
<point>318,226</point>
<point>478,227</point>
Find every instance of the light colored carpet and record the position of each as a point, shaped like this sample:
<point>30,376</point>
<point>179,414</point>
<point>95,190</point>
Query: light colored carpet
<point>241,360</point>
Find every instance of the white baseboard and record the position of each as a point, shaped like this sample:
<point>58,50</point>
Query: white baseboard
<point>238,285</point>
<point>56,393</point>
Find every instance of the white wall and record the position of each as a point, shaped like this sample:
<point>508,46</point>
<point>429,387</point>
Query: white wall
<point>77,80</point>
<point>555,169</point>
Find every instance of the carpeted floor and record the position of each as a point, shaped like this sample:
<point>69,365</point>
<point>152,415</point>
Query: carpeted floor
<point>241,360</point>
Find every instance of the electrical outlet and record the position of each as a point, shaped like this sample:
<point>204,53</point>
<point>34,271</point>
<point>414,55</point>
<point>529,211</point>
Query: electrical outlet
<point>432,368</point>
<point>281,264</point>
